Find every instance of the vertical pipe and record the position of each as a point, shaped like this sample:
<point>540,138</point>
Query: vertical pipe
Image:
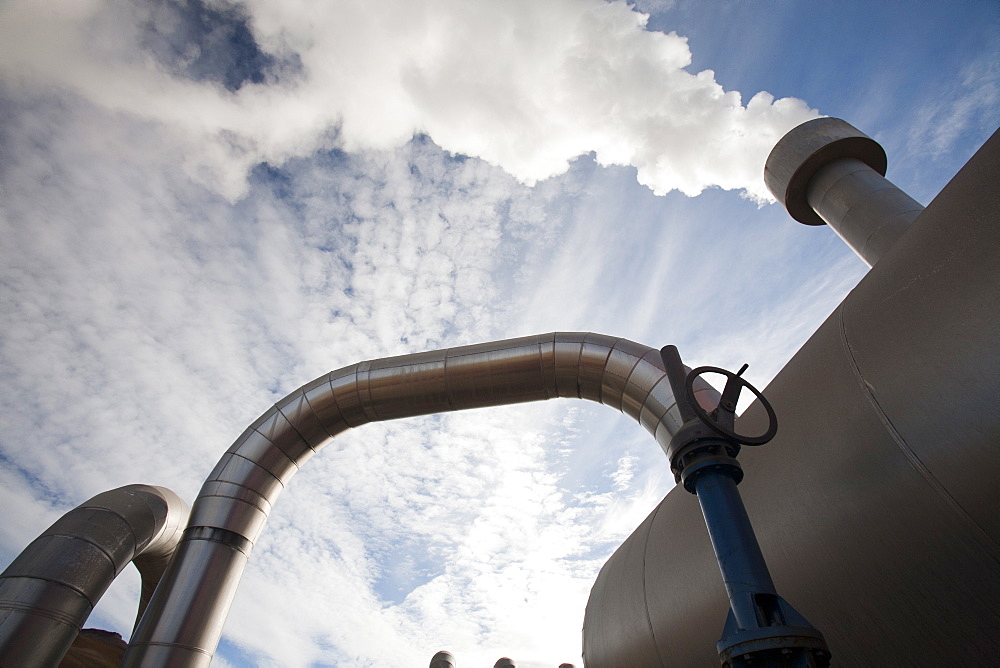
<point>867,211</point>
<point>744,570</point>
<point>209,563</point>
<point>827,171</point>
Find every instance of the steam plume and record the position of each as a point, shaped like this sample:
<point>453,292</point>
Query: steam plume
<point>525,85</point>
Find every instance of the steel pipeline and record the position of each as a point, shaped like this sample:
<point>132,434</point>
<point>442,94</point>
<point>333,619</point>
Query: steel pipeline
<point>49,590</point>
<point>184,620</point>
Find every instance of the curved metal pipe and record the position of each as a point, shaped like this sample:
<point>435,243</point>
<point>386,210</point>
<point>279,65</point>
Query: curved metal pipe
<point>49,590</point>
<point>187,613</point>
<point>443,659</point>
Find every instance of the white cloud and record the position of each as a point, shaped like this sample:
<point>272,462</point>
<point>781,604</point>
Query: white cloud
<point>524,85</point>
<point>625,471</point>
<point>967,107</point>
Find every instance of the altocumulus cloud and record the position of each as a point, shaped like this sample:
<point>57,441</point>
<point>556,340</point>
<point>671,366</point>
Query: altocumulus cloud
<point>521,84</point>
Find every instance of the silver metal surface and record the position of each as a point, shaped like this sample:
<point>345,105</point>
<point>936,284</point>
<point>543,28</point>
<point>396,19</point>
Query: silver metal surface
<point>804,150</point>
<point>876,503</point>
<point>868,212</point>
<point>49,590</point>
<point>828,171</point>
<point>187,612</point>
<point>443,660</point>
<point>204,571</point>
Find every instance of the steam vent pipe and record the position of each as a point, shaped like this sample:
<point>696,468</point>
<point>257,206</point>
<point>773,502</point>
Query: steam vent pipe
<point>828,171</point>
<point>184,621</point>
<point>49,590</point>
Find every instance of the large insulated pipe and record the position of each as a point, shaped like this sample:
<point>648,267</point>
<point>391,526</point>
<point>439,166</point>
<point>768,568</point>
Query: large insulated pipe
<point>185,618</point>
<point>828,171</point>
<point>49,590</point>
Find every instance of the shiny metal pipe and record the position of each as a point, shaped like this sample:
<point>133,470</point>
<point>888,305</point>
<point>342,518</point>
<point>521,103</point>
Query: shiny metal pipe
<point>864,208</point>
<point>49,590</point>
<point>443,659</point>
<point>185,617</point>
<point>828,171</point>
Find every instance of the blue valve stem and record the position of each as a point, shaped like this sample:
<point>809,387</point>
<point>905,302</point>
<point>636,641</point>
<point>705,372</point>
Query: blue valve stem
<point>736,548</point>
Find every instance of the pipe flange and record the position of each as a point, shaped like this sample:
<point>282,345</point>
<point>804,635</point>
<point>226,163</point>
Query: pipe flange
<point>805,150</point>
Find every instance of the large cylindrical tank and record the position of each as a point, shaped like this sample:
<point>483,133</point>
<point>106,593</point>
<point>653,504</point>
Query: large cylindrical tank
<point>875,505</point>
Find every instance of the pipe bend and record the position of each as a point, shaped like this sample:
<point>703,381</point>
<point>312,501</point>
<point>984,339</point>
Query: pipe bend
<point>49,590</point>
<point>627,376</point>
<point>186,615</point>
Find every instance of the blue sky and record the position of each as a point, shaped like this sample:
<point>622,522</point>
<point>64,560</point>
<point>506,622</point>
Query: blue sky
<point>203,206</point>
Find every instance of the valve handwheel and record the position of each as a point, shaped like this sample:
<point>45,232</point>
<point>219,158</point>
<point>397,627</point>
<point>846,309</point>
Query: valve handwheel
<point>727,406</point>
